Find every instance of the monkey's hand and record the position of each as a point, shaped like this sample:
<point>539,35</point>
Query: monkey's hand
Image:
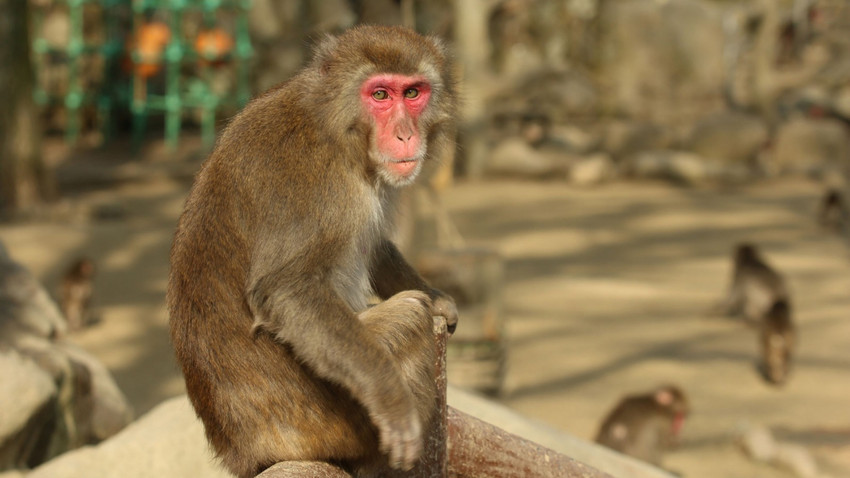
<point>403,324</point>
<point>401,440</point>
<point>444,306</point>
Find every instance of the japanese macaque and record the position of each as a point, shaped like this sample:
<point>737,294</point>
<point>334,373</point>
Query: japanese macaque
<point>282,243</point>
<point>76,293</point>
<point>755,286</point>
<point>646,425</point>
<point>777,339</point>
<point>832,212</point>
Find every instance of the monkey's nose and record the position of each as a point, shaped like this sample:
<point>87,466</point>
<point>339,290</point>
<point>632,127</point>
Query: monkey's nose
<point>404,140</point>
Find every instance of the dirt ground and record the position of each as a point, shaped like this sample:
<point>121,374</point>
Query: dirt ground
<point>605,293</point>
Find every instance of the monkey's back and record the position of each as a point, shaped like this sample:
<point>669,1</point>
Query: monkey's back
<point>761,286</point>
<point>259,405</point>
<point>638,427</point>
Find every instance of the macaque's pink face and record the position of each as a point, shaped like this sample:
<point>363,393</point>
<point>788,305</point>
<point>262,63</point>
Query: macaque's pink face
<point>395,103</point>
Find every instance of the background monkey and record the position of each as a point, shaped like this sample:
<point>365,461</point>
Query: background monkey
<point>832,211</point>
<point>283,241</point>
<point>645,425</point>
<point>755,286</point>
<point>76,293</point>
<point>777,338</point>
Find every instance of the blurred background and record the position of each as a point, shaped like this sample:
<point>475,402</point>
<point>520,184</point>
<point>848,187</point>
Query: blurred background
<point>611,155</point>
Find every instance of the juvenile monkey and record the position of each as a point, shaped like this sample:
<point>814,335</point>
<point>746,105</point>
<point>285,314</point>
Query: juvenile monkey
<point>754,288</point>
<point>645,425</point>
<point>284,239</point>
<point>777,338</point>
<point>76,293</point>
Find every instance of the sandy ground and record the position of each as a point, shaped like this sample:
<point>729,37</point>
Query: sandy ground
<point>605,294</point>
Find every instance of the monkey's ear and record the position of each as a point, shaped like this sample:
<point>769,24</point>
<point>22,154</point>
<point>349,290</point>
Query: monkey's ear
<point>324,53</point>
<point>439,44</point>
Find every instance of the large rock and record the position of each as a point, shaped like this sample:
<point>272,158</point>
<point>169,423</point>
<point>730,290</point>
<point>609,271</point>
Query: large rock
<point>26,309</point>
<point>813,146</point>
<point>677,166</point>
<point>167,442</point>
<point>27,413</point>
<point>107,409</point>
<point>561,95</point>
<point>592,170</point>
<point>623,138</point>
<point>729,137</point>
<point>758,443</point>
<point>83,405</point>
<point>514,157</point>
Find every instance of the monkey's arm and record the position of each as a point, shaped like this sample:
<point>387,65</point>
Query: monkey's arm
<point>391,274</point>
<point>306,314</point>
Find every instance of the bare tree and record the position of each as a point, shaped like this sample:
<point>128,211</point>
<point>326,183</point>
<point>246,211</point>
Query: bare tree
<point>25,181</point>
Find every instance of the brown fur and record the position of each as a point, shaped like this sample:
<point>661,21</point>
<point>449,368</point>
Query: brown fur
<point>281,243</point>
<point>76,293</point>
<point>755,286</point>
<point>832,212</point>
<point>645,425</point>
<point>777,339</point>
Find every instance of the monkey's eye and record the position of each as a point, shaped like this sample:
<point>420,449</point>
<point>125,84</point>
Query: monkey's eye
<point>411,93</point>
<point>380,95</point>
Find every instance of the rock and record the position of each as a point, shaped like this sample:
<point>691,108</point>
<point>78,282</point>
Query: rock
<point>758,443</point>
<point>624,138</point>
<point>513,157</point>
<point>812,146</point>
<point>678,166</point>
<point>575,139</point>
<point>85,404</point>
<point>110,411</point>
<point>27,412</point>
<point>728,137</point>
<point>592,170</point>
<point>167,442</point>
<point>26,308</point>
<point>797,459</point>
<point>559,94</point>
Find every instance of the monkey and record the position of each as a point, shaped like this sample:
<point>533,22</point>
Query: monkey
<point>645,425</point>
<point>535,128</point>
<point>755,286</point>
<point>282,244</point>
<point>833,213</point>
<point>76,293</point>
<point>777,338</point>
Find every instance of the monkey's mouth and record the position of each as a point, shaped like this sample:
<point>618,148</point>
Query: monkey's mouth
<point>403,167</point>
